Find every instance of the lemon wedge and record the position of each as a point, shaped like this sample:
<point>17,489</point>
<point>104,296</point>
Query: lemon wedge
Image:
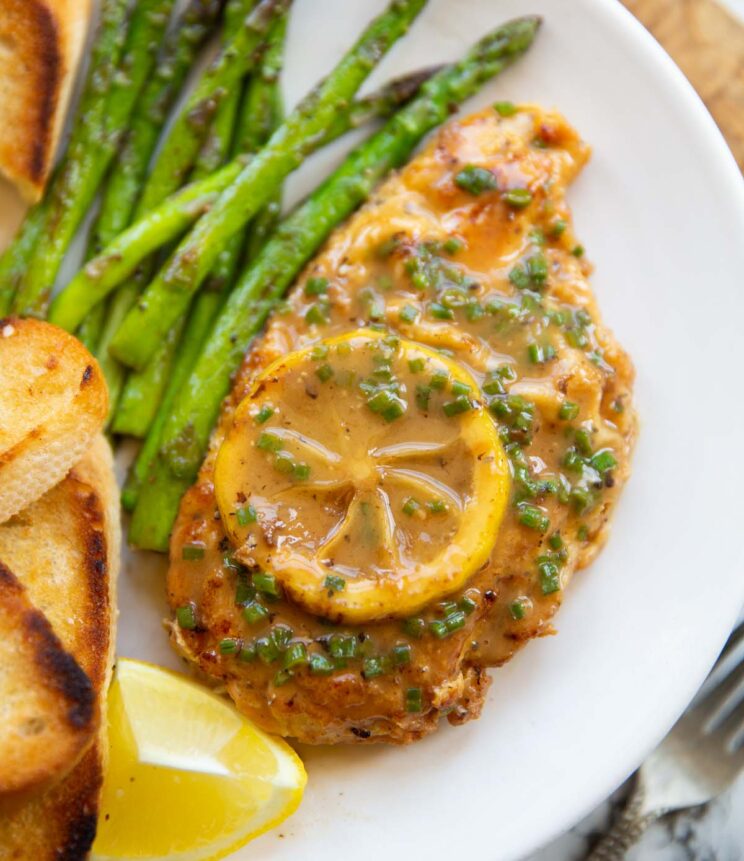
<point>188,778</point>
<point>365,474</point>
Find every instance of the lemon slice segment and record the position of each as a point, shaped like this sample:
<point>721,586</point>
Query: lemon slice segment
<point>188,777</point>
<point>365,474</point>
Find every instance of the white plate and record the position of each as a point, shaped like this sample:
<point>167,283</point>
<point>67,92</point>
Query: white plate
<point>660,209</point>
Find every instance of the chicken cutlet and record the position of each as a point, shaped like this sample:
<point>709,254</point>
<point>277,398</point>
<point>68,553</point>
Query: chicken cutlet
<point>422,447</point>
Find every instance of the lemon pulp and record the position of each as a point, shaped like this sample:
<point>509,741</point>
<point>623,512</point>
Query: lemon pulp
<point>188,777</point>
<point>365,473</point>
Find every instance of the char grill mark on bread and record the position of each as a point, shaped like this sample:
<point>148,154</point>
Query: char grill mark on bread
<point>40,46</point>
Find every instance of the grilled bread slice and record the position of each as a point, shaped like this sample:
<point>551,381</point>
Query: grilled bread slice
<point>40,46</point>
<point>53,401</point>
<point>47,705</point>
<point>65,550</point>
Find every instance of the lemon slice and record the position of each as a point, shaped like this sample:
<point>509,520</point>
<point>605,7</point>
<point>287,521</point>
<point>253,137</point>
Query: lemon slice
<point>188,778</point>
<point>365,474</point>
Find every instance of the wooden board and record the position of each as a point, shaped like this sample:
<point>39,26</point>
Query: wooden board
<point>707,42</point>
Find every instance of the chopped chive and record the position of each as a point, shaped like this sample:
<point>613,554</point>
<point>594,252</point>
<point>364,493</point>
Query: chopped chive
<point>455,621</point>
<point>264,414</point>
<point>267,650</point>
<point>229,646</point>
<point>441,312</point>
<point>519,198</point>
<point>401,654</point>
<point>244,592</point>
<point>255,612</point>
<point>343,646</point>
<point>333,583</point>
<point>519,277</point>
<point>555,541</point>
<point>320,665</point>
<point>439,380</point>
<point>269,442</point>
<point>603,461</point>
<point>583,441</point>
<point>316,286</point>
<point>517,609</point>
<point>245,515</point>
<point>317,315</point>
<point>411,506</point>
<point>280,636</point>
<point>505,109</point>
<point>475,180</point>
<point>467,604</point>
<point>414,700</point>
<point>474,311</point>
<point>453,245</point>
<point>192,552</point>
<point>568,411</point>
<point>266,584</point>
<point>460,388</point>
<point>550,580</point>
<point>284,462</point>
<point>414,627</point>
<point>295,656</point>
<point>408,313</point>
<point>301,471</point>
<point>581,498</point>
<point>537,266</point>
<point>461,404</point>
<point>438,628</point>
<point>578,251</point>
<point>417,365</point>
<point>533,518</point>
<point>324,373</point>
<point>437,506</point>
<point>247,653</point>
<point>320,351</point>
<point>186,617</point>
<point>558,228</point>
<point>372,667</point>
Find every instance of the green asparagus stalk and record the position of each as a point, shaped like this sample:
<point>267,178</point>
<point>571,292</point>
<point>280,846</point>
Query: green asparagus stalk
<point>181,147</point>
<point>72,196</point>
<point>89,121</point>
<point>186,433</point>
<point>261,113</point>
<point>189,131</point>
<point>124,183</point>
<point>143,390</point>
<point>14,261</point>
<point>169,295</point>
<point>166,222</point>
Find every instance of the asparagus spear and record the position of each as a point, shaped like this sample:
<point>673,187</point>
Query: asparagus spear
<point>190,129</point>
<point>72,196</point>
<point>167,221</point>
<point>261,113</point>
<point>89,120</point>
<point>143,390</point>
<point>168,296</point>
<point>123,199</point>
<point>186,433</point>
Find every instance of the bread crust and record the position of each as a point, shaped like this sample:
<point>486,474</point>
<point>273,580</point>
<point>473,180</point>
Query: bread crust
<point>40,47</point>
<point>53,401</point>
<point>65,549</point>
<point>51,707</point>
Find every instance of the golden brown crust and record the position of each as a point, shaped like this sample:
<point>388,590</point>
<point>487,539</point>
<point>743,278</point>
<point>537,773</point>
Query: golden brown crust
<point>49,712</point>
<point>40,44</point>
<point>412,216</point>
<point>53,401</point>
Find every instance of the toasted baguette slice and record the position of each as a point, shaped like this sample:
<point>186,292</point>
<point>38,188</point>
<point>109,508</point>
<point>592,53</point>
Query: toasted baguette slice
<point>65,548</point>
<point>40,46</point>
<point>47,706</point>
<point>53,401</point>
